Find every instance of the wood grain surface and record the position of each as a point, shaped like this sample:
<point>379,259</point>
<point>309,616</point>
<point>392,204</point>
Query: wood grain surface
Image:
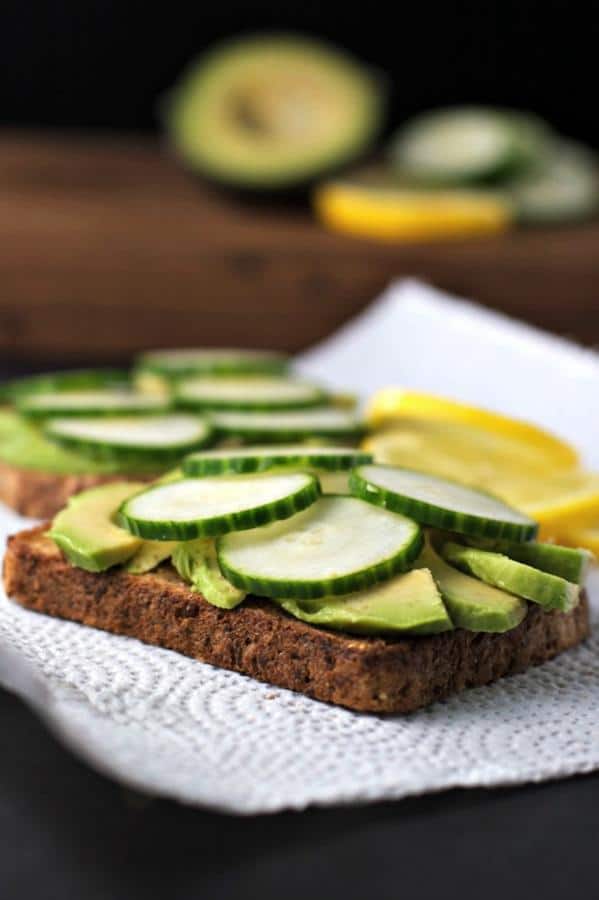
<point>107,246</point>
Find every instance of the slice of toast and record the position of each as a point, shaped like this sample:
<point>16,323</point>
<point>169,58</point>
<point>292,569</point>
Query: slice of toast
<point>362,673</point>
<point>40,495</point>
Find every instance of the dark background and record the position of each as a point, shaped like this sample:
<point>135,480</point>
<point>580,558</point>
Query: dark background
<point>102,63</point>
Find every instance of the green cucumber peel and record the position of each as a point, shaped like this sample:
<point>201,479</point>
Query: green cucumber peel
<point>149,441</point>
<point>189,508</point>
<point>259,393</point>
<point>338,546</point>
<point>184,363</point>
<point>286,427</point>
<point>80,403</point>
<point>438,503</point>
<point>261,459</point>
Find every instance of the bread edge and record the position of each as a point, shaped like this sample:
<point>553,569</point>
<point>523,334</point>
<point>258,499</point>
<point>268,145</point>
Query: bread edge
<point>40,495</point>
<point>366,674</point>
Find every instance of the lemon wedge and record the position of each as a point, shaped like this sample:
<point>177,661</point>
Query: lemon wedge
<point>391,213</point>
<point>390,403</point>
<point>586,536</point>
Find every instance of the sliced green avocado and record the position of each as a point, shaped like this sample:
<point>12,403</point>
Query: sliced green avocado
<point>549,591</point>
<point>197,563</point>
<point>273,111</point>
<point>472,604</point>
<point>567,562</point>
<point>85,529</point>
<point>407,604</point>
<point>150,555</point>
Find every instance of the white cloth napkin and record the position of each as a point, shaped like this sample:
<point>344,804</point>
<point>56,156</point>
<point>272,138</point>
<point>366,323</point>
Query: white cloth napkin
<point>174,727</point>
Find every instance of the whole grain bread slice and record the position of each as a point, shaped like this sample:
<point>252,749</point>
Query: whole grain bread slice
<point>362,673</point>
<point>40,495</point>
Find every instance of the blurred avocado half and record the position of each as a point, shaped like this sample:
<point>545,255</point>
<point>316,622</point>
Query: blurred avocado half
<point>273,112</point>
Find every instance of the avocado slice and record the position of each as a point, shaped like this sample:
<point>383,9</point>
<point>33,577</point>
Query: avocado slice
<point>270,112</point>
<point>149,555</point>
<point>566,562</point>
<point>407,604</point>
<point>197,563</point>
<point>471,603</point>
<point>549,591</point>
<point>85,530</point>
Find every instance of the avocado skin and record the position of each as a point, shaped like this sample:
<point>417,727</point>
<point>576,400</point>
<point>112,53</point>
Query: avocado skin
<point>407,604</point>
<point>549,591</point>
<point>85,529</point>
<point>472,605</point>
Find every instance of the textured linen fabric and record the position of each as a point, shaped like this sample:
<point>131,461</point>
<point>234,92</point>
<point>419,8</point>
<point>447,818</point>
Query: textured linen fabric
<point>178,728</point>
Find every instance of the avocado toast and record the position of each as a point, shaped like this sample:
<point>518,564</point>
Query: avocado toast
<point>402,590</point>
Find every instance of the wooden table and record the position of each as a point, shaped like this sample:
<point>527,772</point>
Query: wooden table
<point>106,246</point>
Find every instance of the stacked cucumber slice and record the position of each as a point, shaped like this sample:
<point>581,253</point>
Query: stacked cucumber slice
<point>156,439</point>
<point>73,380</point>
<point>180,363</point>
<point>542,177</point>
<point>179,401</point>
<point>328,423</point>
<point>247,393</point>
<point>260,459</point>
<point>468,145</point>
<point>441,504</point>
<point>198,507</point>
<point>337,546</point>
<point>107,402</point>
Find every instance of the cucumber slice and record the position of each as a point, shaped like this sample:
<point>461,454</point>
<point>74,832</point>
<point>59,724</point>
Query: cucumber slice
<point>465,145</point>
<point>203,507</point>
<point>566,562</point>
<point>91,403</point>
<point>197,563</point>
<point>336,424</point>
<point>185,362</point>
<point>565,188</point>
<point>150,439</point>
<point>439,503</point>
<point>549,591</point>
<point>260,459</point>
<point>75,380</point>
<point>338,546</point>
<point>255,392</point>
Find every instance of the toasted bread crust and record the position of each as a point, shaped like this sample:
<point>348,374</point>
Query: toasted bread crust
<point>257,639</point>
<point>40,495</point>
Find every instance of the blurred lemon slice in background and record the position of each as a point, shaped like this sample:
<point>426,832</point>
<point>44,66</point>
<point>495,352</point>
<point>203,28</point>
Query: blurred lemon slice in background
<point>402,214</point>
<point>587,536</point>
<point>389,403</point>
<point>528,467</point>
